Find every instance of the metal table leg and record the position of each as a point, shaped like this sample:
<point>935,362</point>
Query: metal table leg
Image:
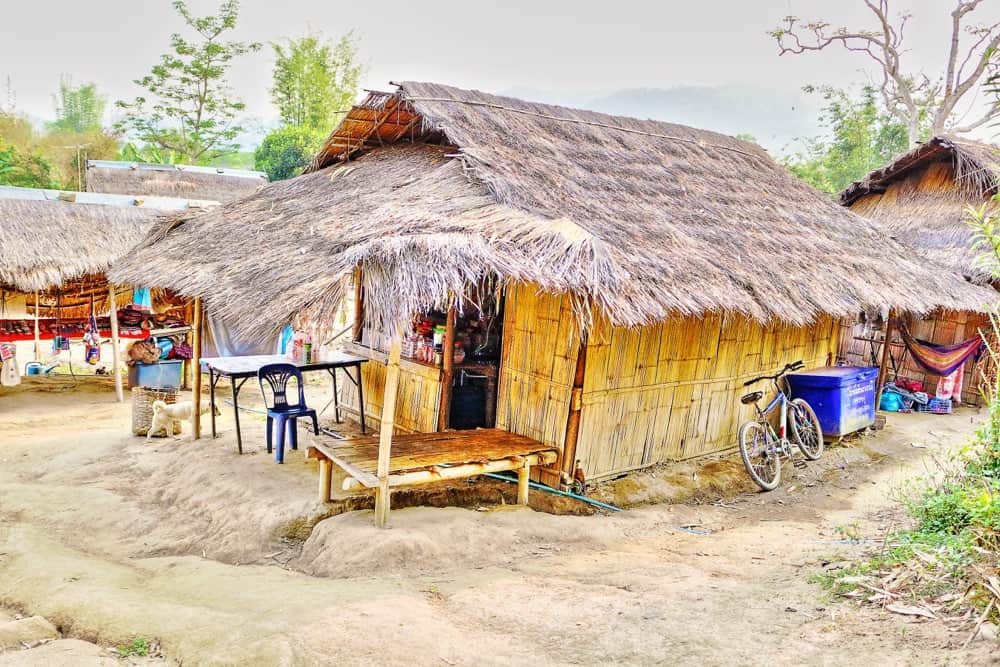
<point>336,399</point>
<point>236,410</point>
<point>361,396</point>
<point>211,390</point>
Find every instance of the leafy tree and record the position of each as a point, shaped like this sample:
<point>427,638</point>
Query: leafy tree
<point>78,108</point>
<point>130,152</point>
<point>285,152</point>
<point>26,171</point>
<point>314,79</point>
<point>862,136</point>
<point>193,112</point>
<point>909,94</point>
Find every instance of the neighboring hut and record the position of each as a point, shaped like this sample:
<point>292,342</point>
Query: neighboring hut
<point>215,184</point>
<point>646,269</point>
<point>920,198</point>
<point>55,247</point>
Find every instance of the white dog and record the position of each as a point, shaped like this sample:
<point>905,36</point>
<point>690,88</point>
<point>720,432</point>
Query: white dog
<point>165,415</point>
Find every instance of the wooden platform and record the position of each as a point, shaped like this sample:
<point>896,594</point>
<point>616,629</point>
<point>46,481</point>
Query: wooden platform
<point>423,458</point>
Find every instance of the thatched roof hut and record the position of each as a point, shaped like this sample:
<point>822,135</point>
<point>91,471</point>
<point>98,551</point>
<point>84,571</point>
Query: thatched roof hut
<point>920,198</point>
<point>430,187</point>
<point>168,180</point>
<point>51,236</point>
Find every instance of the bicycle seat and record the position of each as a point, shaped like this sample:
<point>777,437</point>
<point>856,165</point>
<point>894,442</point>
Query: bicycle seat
<point>752,397</point>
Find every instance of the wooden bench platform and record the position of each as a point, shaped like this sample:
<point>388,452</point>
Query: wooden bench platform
<point>422,458</point>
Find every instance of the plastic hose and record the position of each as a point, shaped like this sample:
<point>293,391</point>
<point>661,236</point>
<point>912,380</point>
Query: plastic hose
<point>549,489</point>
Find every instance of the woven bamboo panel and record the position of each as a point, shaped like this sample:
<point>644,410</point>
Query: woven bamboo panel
<point>416,403</point>
<point>943,327</point>
<point>540,346</point>
<point>671,391</point>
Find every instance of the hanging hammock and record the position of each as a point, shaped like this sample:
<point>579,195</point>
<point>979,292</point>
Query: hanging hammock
<point>941,359</point>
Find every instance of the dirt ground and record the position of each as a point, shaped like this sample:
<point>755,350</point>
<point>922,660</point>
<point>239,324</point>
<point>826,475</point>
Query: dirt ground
<point>216,558</point>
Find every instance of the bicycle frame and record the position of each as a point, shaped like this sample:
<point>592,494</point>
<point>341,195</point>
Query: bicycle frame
<point>781,399</point>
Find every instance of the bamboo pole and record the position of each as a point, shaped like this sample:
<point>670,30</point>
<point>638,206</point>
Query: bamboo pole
<point>568,463</point>
<point>115,345</point>
<point>886,352</point>
<point>359,311</point>
<point>448,376</point>
<point>196,372</point>
<point>385,431</point>
<point>38,339</point>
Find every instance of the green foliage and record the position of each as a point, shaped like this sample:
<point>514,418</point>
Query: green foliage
<point>285,152</point>
<point>138,646</point>
<point>315,78</point>
<point>26,171</point>
<point>192,112</point>
<point>150,154</point>
<point>862,137</point>
<point>79,109</point>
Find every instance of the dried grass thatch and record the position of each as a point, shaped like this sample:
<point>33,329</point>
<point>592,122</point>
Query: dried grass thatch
<point>432,187</point>
<point>165,180</point>
<point>921,196</point>
<point>48,237</point>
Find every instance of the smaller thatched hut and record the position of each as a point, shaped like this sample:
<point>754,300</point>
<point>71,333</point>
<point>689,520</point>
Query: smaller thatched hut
<point>920,198</point>
<point>172,180</point>
<point>55,247</point>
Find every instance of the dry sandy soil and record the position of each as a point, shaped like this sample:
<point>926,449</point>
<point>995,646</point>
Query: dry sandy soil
<point>211,554</point>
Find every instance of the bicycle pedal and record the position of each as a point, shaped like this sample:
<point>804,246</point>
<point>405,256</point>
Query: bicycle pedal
<point>801,464</point>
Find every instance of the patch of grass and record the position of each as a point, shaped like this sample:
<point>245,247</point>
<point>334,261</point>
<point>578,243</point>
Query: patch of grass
<point>299,529</point>
<point>139,646</point>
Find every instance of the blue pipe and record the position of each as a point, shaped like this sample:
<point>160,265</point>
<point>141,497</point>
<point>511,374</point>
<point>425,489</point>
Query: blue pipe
<point>549,489</point>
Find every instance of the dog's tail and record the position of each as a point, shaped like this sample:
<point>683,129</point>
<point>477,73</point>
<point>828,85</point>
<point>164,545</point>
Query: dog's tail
<point>159,406</point>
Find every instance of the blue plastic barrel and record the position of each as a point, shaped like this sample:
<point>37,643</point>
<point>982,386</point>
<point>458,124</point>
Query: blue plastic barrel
<point>842,396</point>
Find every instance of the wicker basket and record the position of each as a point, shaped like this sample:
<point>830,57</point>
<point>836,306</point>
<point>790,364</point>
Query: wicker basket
<point>142,408</point>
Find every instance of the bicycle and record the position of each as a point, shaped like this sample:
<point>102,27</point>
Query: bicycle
<point>761,447</point>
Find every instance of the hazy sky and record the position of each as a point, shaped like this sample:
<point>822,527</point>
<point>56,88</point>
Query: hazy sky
<point>563,46</point>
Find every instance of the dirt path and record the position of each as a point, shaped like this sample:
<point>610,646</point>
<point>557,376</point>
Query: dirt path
<point>112,539</point>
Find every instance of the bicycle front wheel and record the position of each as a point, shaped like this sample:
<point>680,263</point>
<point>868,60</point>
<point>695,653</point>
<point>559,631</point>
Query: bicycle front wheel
<point>762,461</point>
<point>806,429</point>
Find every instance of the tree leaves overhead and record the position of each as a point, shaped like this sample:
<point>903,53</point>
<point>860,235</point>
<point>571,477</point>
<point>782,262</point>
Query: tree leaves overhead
<point>78,108</point>
<point>862,137</point>
<point>189,108</point>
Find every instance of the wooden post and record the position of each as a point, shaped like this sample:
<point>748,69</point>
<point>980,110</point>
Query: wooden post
<point>568,460</point>
<point>448,376</point>
<point>115,345</point>
<point>523,477</point>
<point>196,372</point>
<point>359,309</point>
<point>325,479</point>
<point>38,339</point>
<point>385,430</point>
<point>886,351</point>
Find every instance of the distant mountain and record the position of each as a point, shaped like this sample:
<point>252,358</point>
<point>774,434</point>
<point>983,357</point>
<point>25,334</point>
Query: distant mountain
<point>774,118</point>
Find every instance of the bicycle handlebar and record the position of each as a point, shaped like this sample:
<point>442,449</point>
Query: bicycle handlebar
<point>794,366</point>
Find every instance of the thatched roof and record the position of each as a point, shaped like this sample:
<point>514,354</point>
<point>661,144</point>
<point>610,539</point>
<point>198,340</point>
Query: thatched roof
<point>921,196</point>
<point>431,187</point>
<point>48,237</point>
<point>168,180</point>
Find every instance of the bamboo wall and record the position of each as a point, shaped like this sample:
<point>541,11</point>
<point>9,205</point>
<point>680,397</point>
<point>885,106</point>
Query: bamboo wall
<point>943,327</point>
<point>540,346</point>
<point>417,402</point>
<point>671,391</point>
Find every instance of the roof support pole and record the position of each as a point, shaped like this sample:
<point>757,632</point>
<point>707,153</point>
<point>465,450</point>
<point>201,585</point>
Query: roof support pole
<point>886,352</point>
<point>196,372</point>
<point>38,340</point>
<point>386,429</point>
<point>359,308</point>
<point>116,351</point>
<point>448,371</point>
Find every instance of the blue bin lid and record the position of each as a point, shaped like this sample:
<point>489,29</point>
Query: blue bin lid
<point>831,377</point>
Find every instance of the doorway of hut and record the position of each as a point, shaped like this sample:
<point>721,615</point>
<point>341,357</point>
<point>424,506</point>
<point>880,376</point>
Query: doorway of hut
<point>469,341</point>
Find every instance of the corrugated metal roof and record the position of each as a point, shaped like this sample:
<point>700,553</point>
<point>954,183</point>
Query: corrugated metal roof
<point>141,166</point>
<point>158,203</point>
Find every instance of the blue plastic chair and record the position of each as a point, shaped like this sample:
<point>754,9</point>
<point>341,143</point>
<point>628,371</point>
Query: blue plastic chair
<point>281,413</point>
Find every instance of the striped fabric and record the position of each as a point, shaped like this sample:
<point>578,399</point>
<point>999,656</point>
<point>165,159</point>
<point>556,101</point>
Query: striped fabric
<point>940,359</point>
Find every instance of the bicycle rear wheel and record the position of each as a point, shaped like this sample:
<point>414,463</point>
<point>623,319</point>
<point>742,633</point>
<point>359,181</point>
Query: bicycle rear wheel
<point>762,461</point>
<point>805,428</point>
